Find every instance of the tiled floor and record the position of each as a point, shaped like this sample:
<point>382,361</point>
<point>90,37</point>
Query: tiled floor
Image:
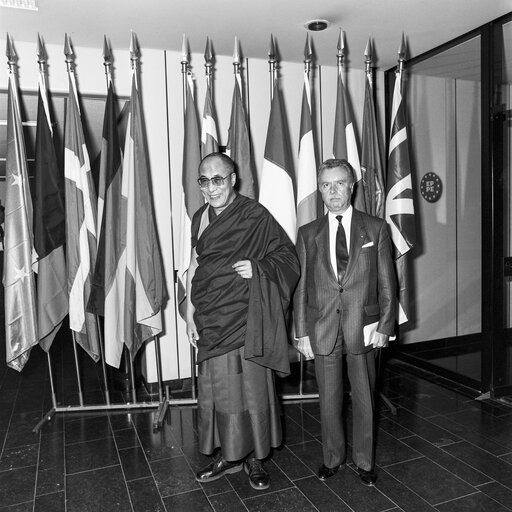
<point>443,451</point>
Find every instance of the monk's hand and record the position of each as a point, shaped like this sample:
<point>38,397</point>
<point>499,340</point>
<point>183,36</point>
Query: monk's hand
<point>192,334</point>
<point>380,340</point>
<point>243,268</point>
<point>303,345</point>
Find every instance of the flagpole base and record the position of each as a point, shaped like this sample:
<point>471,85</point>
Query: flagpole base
<point>46,419</point>
<point>389,405</point>
<point>160,415</point>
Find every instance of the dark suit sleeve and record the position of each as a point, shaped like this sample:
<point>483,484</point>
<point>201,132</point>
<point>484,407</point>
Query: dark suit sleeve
<point>387,283</point>
<point>300,296</point>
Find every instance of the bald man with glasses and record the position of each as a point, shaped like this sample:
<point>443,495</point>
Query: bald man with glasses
<point>243,271</point>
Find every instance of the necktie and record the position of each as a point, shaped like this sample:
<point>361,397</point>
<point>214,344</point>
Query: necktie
<point>341,250</point>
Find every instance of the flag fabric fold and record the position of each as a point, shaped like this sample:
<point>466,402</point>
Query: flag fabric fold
<point>277,187</point>
<point>49,227</point>
<point>81,242</point>
<point>192,198</point>
<point>400,199</point>
<point>306,173</point>
<point>18,278</point>
<point>209,138</point>
<point>109,207</point>
<point>345,142</point>
<point>238,146</point>
<point>134,300</point>
<point>371,163</point>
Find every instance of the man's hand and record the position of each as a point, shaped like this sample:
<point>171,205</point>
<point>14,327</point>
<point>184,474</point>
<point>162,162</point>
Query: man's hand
<point>243,268</point>
<point>380,340</point>
<point>303,345</point>
<point>192,334</point>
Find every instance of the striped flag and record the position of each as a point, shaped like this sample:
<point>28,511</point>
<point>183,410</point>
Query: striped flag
<point>81,206</point>
<point>277,192</point>
<point>109,206</point>
<point>18,279</point>
<point>345,144</point>
<point>371,164</point>
<point>49,227</point>
<point>134,300</point>
<point>192,197</point>
<point>400,199</point>
<point>209,139</point>
<point>306,175</point>
<point>239,147</point>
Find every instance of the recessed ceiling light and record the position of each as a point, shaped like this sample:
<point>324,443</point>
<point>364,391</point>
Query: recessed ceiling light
<point>316,25</point>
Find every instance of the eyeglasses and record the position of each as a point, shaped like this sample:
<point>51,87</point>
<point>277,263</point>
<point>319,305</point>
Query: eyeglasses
<point>216,181</point>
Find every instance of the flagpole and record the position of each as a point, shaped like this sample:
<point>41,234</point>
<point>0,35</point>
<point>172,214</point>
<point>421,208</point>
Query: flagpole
<point>41,61</point>
<point>272,67</point>
<point>185,72</point>
<point>68,52</point>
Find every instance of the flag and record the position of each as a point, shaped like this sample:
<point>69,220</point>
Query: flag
<point>371,164</point>
<point>109,207</point>
<point>238,147</point>
<point>81,206</point>
<point>49,227</point>
<point>277,182</point>
<point>134,300</point>
<point>399,199</point>
<point>18,279</point>
<point>306,175</point>
<point>345,144</point>
<point>209,139</point>
<point>192,196</point>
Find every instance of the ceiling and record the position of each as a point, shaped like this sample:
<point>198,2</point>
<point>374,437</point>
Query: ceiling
<point>162,23</point>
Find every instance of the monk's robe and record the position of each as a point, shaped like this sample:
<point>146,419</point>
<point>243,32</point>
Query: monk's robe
<point>245,230</point>
<point>241,326</point>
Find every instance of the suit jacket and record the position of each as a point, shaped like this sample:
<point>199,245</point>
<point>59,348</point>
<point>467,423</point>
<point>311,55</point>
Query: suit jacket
<point>366,294</point>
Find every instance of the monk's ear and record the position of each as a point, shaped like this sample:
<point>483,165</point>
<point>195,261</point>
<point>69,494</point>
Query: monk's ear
<point>233,178</point>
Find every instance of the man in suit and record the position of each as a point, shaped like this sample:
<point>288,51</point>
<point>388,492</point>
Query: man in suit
<point>344,304</point>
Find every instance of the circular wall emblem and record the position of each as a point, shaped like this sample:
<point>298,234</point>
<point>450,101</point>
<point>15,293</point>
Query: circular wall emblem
<point>431,187</point>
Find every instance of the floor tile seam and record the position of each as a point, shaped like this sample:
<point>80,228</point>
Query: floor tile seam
<point>122,470</point>
<point>420,456</point>
<point>269,493</point>
<point>90,470</point>
<point>16,469</point>
<point>9,422</point>
<point>491,481</point>
<point>314,440</point>
<point>457,459</point>
<point>460,498</point>
<point>220,494</point>
<point>89,440</point>
<point>479,447</point>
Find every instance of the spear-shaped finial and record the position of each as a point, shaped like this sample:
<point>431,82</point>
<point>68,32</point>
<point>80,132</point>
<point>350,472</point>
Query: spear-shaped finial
<point>368,55</point>
<point>107,59</point>
<point>341,49</point>
<point>236,56</point>
<point>307,55</point>
<point>42,56</point>
<point>208,57</point>
<point>134,49</point>
<point>401,54</point>
<point>10,52</point>
<point>271,51</point>
<point>68,52</point>
<point>184,53</point>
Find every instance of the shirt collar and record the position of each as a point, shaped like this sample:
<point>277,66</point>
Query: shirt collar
<point>347,216</point>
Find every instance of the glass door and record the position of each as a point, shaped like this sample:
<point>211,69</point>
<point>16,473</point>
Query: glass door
<point>502,167</point>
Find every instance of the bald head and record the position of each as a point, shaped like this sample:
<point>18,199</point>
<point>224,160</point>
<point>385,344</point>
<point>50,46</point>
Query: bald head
<point>219,160</point>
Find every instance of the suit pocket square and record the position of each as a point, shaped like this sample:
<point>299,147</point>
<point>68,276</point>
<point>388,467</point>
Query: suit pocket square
<point>369,244</point>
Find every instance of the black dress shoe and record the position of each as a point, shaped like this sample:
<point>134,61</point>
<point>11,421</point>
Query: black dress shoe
<point>217,469</point>
<point>324,472</point>
<point>367,477</point>
<point>258,475</point>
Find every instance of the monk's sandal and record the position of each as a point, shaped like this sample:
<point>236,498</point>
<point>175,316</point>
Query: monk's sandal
<point>258,476</point>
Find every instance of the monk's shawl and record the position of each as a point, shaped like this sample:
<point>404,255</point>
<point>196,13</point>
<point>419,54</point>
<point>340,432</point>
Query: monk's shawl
<point>245,230</point>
